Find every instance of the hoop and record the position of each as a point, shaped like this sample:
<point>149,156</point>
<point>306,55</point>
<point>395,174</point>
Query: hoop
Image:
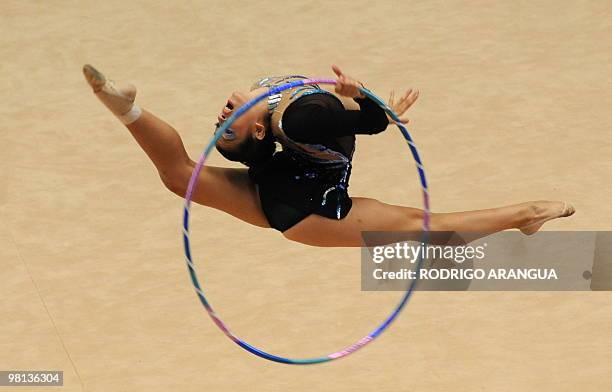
<point>191,267</point>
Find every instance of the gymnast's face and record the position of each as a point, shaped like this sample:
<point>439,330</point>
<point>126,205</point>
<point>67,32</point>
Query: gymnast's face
<point>242,141</point>
<point>241,128</point>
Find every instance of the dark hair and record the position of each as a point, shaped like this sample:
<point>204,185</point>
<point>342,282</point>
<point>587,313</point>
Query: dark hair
<point>251,151</point>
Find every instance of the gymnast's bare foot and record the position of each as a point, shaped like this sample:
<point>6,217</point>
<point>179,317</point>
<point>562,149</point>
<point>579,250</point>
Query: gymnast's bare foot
<point>545,211</point>
<point>118,100</point>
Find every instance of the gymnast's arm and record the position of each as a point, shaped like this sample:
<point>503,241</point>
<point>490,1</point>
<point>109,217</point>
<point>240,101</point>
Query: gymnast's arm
<point>318,117</point>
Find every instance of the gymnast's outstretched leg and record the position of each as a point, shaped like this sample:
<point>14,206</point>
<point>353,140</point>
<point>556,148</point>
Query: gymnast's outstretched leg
<point>226,189</point>
<point>373,215</point>
<point>232,191</point>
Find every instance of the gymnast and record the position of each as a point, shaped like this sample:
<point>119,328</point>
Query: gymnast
<point>301,190</point>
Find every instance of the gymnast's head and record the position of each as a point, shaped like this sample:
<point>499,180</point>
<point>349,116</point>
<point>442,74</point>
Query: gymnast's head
<point>249,139</point>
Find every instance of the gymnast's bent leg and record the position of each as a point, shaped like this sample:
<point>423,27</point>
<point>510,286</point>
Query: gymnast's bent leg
<point>373,215</point>
<point>164,147</point>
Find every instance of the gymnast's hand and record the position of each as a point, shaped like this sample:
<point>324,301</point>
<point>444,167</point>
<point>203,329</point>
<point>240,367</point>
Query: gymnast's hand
<point>400,107</point>
<point>347,86</point>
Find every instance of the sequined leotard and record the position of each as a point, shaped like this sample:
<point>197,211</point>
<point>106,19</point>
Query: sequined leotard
<point>317,133</point>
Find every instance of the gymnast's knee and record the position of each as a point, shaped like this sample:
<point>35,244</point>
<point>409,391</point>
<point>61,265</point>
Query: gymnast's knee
<point>412,219</point>
<point>175,181</point>
<point>439,234</point>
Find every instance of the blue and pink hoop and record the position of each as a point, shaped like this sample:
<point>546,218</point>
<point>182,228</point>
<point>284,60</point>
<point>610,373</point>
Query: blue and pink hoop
<point>191,267</point>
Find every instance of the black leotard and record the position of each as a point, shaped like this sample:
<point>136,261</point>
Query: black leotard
<point>289,190</point>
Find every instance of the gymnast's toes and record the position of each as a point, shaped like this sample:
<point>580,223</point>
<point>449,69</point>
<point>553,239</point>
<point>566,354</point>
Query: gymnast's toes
<point>118,100</point>
<point>569,210</point>
<point>94,77</point>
